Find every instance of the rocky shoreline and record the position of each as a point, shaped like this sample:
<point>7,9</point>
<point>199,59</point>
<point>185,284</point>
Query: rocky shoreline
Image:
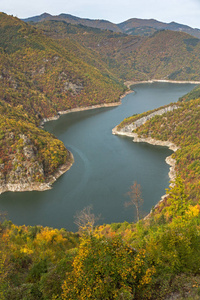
<point>30,186</point>
<point>77,109</point>
<point>130,83</point>
<point>169,160</point>
<point>38,186</point>
<point>63,169</point>
<point>127,131</point>
<point>130,127</point>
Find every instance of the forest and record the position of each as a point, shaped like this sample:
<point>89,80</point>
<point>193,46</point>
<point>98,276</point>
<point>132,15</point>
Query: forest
<point>133,26</point>
<point>50,67</point>
<point>164,55</point>
<point>40,78</point>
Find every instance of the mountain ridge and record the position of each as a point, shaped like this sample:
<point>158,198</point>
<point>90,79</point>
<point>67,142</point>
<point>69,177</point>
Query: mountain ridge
<point>134,26</point>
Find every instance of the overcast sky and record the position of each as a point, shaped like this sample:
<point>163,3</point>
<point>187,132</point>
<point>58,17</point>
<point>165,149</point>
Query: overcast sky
<point>181,11</point>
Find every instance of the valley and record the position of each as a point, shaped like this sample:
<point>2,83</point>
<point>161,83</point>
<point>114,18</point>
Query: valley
<point>53,65</point>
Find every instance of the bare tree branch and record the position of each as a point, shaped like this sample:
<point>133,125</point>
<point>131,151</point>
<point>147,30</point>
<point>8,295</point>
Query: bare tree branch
<point>136,200</point>
<point>85,220</point>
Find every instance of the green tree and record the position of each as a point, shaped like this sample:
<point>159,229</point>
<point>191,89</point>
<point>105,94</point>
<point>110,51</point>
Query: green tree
<point>106,268</point>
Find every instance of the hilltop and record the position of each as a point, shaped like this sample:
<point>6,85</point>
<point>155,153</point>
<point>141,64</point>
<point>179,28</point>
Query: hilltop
<point>133,26</point>
<point>165,55</point>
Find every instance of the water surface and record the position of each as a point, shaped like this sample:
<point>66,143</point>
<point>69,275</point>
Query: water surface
<point>105,165</point>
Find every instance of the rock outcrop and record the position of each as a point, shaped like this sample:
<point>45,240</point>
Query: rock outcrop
<point>129,128</point>
<point>128,131</point>
<point>27,172</point>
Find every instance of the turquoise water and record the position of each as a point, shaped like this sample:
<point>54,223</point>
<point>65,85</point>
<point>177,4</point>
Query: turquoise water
<point>105,165</point>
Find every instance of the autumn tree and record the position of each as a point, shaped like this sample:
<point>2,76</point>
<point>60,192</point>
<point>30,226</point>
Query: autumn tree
<point>135,198</point>
<point>85,220</point>
<point>107,268</point>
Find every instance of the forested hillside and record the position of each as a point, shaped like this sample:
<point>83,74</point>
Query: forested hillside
<point>156,258</point>
<point>166,55</point>
<point>134,26</point>
<point>54,66</point>
<point>181,127</point>
<point>170,233</point>
<point>40,77</point>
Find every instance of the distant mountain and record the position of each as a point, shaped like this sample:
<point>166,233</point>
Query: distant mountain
<point>147,27</point>
<point>101,24</point>
<point>166,54</point>
<point>134,26</point>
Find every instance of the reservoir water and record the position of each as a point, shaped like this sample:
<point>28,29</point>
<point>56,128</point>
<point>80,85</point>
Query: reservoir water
<point>105,165</point>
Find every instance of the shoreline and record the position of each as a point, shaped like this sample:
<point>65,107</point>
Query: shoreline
<point>64,168</point>
<point>37,186</point>
<point>169,160</point>
<point>84,108</point>
<point>129,83</point>
<point>78,109</point>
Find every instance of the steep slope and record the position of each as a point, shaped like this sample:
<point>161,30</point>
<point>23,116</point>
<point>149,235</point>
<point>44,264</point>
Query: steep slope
<point>169,55</point>
<point>165,55</point>
<point>147,27</point>
<point>134,26</point>
<point>73,66</point>
<point>30,158</point>
<point>101,24</point>
<point>179,127</point>
<point>39,77</point>
<point>54,72</point>
<point>112,48</point>
<point>156,258</point>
